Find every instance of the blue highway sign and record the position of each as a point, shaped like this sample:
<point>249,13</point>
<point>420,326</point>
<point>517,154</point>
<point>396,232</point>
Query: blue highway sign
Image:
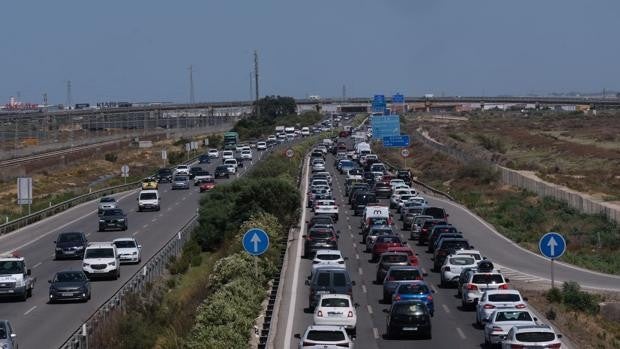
<point>552,245</point>
<point>385,125</point>
<point>378,104</point>
<point>398,98</point>
<point>255,241</point>
<point>396,141</point>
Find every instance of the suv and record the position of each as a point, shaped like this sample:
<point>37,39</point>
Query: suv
<point>101,260</point>
<point>70,245</point>
<point>105,203</point>
<point>426,228</point>
<point>436,212</point>
<point>408,317</point>
<point>324,337</point>
<point>113,219</point>
<point>481,279</point>
<point>328,280</point>
<point>15,279</point>
<point>164,175</point>
<point>148,200</point>
<point>181,170</point>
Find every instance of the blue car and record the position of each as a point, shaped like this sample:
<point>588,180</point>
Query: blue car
<point>415,290</point>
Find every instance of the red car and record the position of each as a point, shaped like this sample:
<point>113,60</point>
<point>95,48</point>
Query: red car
<point>382,244</point>
<point>206,186</point>
<point>413,259</point>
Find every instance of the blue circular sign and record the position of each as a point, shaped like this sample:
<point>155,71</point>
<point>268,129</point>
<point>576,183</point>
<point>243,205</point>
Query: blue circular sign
<point>255,241</point>
<point>552,245</point>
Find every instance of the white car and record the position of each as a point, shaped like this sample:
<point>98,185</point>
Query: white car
<point>181,169</point>
<point>214,153</point>
<point>318,166</point>
<point>246,154</point>
<point>501,321</point>
<point>332,258</point>
<point>326,207</point>
<point>272,138</point>
<point>128,250</point>
<point>498,300</point>
<point>105,203</point>
<point>480,281</point>
<point>452,267</point>
<point>419,200</point>
<point>228,154</point>
<point>320,182</point>
<point>261,146</point>
<point>539,336</point>
<point>395,181</point>
<point>336,310</point>
<point>472,253</point>
<point>305,131</point>
<point>231,165</point>
<point>101,260</point>
<point>324,337</point>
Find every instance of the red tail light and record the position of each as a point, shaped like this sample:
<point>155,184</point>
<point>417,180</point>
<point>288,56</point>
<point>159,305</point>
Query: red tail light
<point>503,287</point>
<point>397,298</point>
<point>350,313</point>
<point>419,277</point>
<point>496,329</point>
<point>520,306</point>
<point>489,306</point>
<point>319,313</point>
<point>472,287</point>
<point>333,238</point>
<point>429,298</point>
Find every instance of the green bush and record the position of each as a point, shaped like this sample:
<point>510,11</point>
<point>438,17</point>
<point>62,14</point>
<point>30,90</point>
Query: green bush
<point>576,299</point>
<point>554,295</point>
<point>111,157</point>
<point>491,143</point>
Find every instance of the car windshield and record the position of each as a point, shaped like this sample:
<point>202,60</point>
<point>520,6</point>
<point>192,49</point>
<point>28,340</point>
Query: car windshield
<point>328,257</point>
<point>125,244</point>
<point>99,253</point>
<point>11,267</point>
<point>378,221</point>
<point>181,178</point>
<point>445,230</point>
<point>69,277</point>
<point>504,297</point>
<point>335,302</point>
<point>113,212</point>
<point>164,172</point>
<point>404,274</point>
<point>69,237</point>
<point>413,289</point>
<point>108,200</point>
<point>323,279</point>
<point>325,336</point>
<point>462,261</point>
<point>394,258</point>
<point>454,244</point>
<point>222,168</point>
<point>388,239</point>
<point>381,232</point>
<point>529,337</point>
<point>147,180</point>
<point>408,309</point>
<point>487,279</point>
<point>513,316</point>
<point>148,196</point>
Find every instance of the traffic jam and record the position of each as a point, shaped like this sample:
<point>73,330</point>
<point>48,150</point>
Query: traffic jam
<point>368,215</point>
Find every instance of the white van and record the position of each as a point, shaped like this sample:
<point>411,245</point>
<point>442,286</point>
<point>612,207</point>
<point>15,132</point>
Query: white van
<point>148,200</point>
<point>305,131</point>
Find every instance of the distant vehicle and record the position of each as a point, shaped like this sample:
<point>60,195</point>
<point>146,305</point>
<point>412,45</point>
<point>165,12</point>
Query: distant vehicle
<point>7,336</point>
<point>221,171</point>
<point>180,182</point>
<point>113,218</point>
<point>207,184</point>
<point>415,290</point>
<point>214,153</point>
<point>501,321</point>
<point>228,154</point>
<point>319,239</point>
<point>128,250</point>
<point>314,97</point>
<point>498,300</point>
<point>105,203</point>
<point>408,318</point>
<point>305,131</point>
<point>230,140</point>
<point>70,245</point>
<point>193,170</point>
<point>204,159</point>
<point>201,177</point>
<point>181,170</point>
<point>101,260</point>
<point>164,175</point>
<point>13,268</point>
<point>261,146</point>
<point>397,274</point>
<point>328,280</point>
<point>148,200</point>
<point>246,154</point>
<point>232,165</point>
<point>328,257</point>
<point>149,183</point>
<point>68,286</point>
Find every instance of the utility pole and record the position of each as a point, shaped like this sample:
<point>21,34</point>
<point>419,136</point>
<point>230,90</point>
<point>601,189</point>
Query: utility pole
<point>344,93</point>
<point>68,101</point>
<point>251,88</point>
<point>191,85</point>
<point>256,81</point>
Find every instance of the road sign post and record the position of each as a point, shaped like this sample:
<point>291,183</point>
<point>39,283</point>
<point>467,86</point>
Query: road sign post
<point>24,192</point>
<point>255,242</point>
<point>405,154</point>
<point>552,245</point>
<point>125,172</point>
<point>290,153</point>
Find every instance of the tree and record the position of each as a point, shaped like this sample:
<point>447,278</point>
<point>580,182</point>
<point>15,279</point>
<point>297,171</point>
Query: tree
<point>274,106</point>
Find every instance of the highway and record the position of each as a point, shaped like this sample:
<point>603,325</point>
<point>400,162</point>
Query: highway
<point>452,326</point>
<point>42,325</point>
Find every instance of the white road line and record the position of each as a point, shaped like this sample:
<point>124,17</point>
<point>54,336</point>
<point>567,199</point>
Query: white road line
<point>369,309</point>
<point>375,332</point>
<point>357,256</point>
<point>348,218</point>
<point>169,209</point>
<point>354,245</point>
<point>153,220</point>
<point>30,310</point>
<point>135,233</point>
<point>434,289</point>
<point>352,236</point>
<point>446,309</point>
<point>88,234</point>
<point>349,226</point>
<point>360,271</point>
<point>36,265</point>
<point>144,226</point>
<point>460,332</point>
<point>364,289</point>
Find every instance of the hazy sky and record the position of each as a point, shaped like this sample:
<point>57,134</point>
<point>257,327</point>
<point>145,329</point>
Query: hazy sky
<point>136,50</point>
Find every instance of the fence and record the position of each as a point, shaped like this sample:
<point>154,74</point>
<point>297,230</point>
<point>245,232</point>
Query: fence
<point>152,269</point>
<point>579,201</point>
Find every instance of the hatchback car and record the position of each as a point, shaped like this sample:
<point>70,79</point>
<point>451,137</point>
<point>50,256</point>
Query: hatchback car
<point>538,336</point>
<point>498,300</point>
<point>319,238</point>
<point>69,285</point>
<point>328,257</point>
<point>408,318</point>
<point>336,310</point>
<point>452,267</point>
<point>415,290</point>
<point>70,245</point>
<point>180,182</point>
<point>397,274</point>
<point>221,171</point>
<point>501,321</point>
<point>214,153</point>
<point>324,337</point>
<point>383,243</point>
<point>128,250</point>
<point>388,260</point>
<point>113,219</point>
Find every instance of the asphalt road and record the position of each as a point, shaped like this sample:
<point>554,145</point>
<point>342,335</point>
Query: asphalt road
<point>42,325</point>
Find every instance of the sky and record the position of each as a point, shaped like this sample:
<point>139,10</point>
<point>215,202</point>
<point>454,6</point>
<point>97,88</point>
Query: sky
<point>140,50</point>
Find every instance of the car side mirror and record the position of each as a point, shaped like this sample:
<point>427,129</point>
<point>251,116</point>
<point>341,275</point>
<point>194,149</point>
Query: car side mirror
<point>525,299</point>
<point>386,311</point>
<point>49,281</point>
<point>484,258</point>
<point>304,236</point>
<point>535,319</point>
<point>139,246</point>
<point>297,335</point>
<point>29,272</point>
<point>559,335</point>
<point>13,335</point>
<point>357,305</point>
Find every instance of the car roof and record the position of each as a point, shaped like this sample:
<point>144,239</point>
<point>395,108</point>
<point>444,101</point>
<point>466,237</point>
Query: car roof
<point>534,328</point>
<point>328,252</point>
<point>124,239</point>
<point>394,254</point>
<point>509,291</point>
<point>100,245</point>
<point>324,328</point>
<point>404,267</point>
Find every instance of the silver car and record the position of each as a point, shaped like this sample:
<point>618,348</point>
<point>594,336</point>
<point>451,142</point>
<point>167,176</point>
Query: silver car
<point>180,182</point>
<point>105,203</point>
<point>7,336</point>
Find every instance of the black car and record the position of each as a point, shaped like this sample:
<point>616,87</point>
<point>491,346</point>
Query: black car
<point>69,285</point>
<point>164,175</point>
<point>436,232</point>
<point>382,190</point>
<point>362,200</point>
<point>70,245</point>
<point>221,171</point>
<point>204,159</point>
<point>113,218</point>
<point>320,238</point>
<point>447,247</point>
<point>405,175</point>
<point>193,170</point>
<point>410,317</point>
<point>240,161</point>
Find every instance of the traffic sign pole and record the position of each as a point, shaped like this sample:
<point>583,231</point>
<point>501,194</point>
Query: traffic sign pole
<point>552,245</point>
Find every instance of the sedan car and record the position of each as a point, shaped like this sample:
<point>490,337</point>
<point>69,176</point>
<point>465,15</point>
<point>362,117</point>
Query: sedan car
<point>336,310</point>
<point>415,290</point>
<point>105,203</point>
<point>180,182</point>
<point>501,321</point>
<point>70,245</point>
<point>538,336</point>
<point>324,337</point>
<point>69,285</point>
<point>214,153</point>
<point>497,300</point>
<point>113,219</point>
<point>408,318</point>
<point>128,250</point>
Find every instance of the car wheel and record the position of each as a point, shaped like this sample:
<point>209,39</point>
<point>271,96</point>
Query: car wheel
<point>139,209</point>
<point>386,298</point>
<point>29,293</point>
<point>125,227</point>
<point>24,296</point>
<point>442,283</point>
<point>428,334</point>
<point>100,229</point>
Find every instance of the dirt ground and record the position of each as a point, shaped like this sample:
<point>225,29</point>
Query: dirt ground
<point>579,151</point>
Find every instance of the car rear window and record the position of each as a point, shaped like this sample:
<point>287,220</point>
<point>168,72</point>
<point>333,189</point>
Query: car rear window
<point>327,257</point>
<point>529,337</point>
<point>445,230</point>
<point>320,234</point>
<point>335,302</point>
<point>323,279</point>
<point>340,280</point>
<point>513,316</point>
<point>408,309</point>
<point>181,178</point>
<point>436,212</point>
<point>378,221</point>
<point>388,239</point>
<point>462,261</point>
<point>508,297</point>
<point>413,289</point>
<point>395,258</point>
<point>454,244</point>
<point>112,212</point>
<point>148,196</point>
<point>108,200</point>
<point>407,274</point>
<point>487,279</point>
<point>325,336</point>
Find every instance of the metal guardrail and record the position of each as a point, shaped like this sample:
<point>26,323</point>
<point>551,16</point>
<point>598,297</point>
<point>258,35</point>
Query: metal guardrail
<point>151,270</point>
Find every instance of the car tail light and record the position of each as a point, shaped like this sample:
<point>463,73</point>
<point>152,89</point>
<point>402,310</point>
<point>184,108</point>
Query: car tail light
<point>308,344</point>
<point>554,346</point>
<point>419,277</point>
<point>496,329</point>
<point>517,346</point>
<point>520,306</point>
<point>429,298</point>
<point>446,268</point>
<point>472,287</point>
<point>319,313</point>
<point>333,238</point>
<point>397,297</point>
<point>350,313</point>
<point>489,306</point>
<point>503,287</point>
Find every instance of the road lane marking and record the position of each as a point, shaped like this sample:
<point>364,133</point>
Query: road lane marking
<point>88,234</point>
<point>144,226</point>
<point>360,271</point>
<point>349,226</point>
<point>169,209</point>
<point>153,220</point>
<point>434,289</point>
<point>460,332</point>
<point>364,289</point>
<point>30,310</point>
<point>357,256</point>
<point>354,245</point>
<point>352,236</point>
<point>375,332</point>
<point>445,308</point>
<point>36,265</point>
<point>135,233</point>
<point>369,309</point>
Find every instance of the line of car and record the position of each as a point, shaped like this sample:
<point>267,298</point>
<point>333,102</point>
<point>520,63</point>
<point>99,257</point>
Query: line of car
<point>501,312</point>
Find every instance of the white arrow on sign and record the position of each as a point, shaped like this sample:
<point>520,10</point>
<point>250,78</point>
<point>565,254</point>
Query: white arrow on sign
<point>255,240</point>
<point>552,244</point>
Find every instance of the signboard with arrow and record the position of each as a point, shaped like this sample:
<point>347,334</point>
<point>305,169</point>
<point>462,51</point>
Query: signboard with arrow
<point>255,241</point>
<point>552,245</point>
